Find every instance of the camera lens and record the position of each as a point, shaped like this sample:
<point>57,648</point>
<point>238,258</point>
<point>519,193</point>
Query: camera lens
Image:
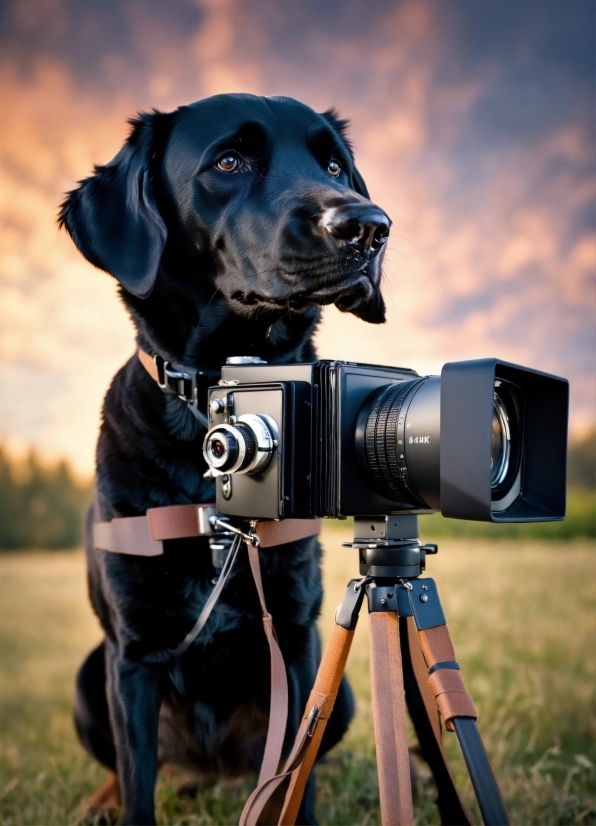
<point>222,448</point>
<point>244,447</point>
<point>218,449</point>
<point>500,446</point>
<point>505,447</point>
<point>398,443</point>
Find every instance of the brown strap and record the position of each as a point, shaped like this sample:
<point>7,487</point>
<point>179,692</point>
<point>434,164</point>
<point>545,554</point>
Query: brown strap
<point>420,670</point>
<point>175,521</point>
<point>452,698</point>
<point>264,792</point>
<point>142,536</point>
<point>129,535</point>
<point>149,364</point>
<point>287,530</point>
<point>308,739</point>
<point>278,708</point>
<point>436,645</point>
<point>389,711</point>
<point>447,684</point>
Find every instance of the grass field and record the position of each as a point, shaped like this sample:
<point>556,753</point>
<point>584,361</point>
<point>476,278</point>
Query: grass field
<point>523,621</point>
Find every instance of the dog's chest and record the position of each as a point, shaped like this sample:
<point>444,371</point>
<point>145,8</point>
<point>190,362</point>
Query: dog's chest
<point>154,602</point>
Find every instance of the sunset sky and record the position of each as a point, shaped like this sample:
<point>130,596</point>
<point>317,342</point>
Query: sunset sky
<point>473,124</point>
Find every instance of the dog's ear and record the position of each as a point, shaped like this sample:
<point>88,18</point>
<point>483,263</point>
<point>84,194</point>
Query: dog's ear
<point>113,218</point>
<point>340,127</point>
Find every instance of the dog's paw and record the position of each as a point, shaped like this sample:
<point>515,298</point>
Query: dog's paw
<point>104,806</point>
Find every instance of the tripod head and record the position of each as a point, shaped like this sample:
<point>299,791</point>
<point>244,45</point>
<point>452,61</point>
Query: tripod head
<point>388,546</point>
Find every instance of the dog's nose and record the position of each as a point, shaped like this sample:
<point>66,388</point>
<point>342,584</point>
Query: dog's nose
<point>362,227</point>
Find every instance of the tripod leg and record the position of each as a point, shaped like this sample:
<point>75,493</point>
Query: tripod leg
<point>454,702</point>
<point>389,712</point>
<point>326,687</point>
<point>424,714</point>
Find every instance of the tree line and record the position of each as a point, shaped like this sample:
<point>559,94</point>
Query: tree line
<point>40,506</point>
<point>44,507</point>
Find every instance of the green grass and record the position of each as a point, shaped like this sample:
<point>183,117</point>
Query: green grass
<point>580,521</point>
<point>523,622</point>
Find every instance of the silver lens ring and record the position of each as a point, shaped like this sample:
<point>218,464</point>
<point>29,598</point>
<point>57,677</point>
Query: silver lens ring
<point>221,434</point>
<point>261,430</point>
<point>218,449</point>
<point>501,439</point>
<point>253,444</point>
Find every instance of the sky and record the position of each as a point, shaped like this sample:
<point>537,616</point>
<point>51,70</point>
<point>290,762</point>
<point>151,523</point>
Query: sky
<point>473,126</point>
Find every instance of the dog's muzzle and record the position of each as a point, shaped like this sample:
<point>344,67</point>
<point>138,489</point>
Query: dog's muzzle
<point>363,227</point>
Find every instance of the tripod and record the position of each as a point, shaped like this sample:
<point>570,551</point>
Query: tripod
<point>412,661</point>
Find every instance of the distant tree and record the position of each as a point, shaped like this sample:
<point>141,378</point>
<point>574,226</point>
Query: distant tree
<point>40,507</point>
<point>581,465</point>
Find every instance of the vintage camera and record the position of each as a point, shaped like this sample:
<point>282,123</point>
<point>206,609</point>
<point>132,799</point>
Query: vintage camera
<point>485,440</point>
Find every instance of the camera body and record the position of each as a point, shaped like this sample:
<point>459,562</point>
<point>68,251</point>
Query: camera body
<point>486,440</point>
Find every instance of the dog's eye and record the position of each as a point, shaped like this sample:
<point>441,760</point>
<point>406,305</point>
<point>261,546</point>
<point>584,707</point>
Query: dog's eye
<point>334,168</point>
<point>228,163</point>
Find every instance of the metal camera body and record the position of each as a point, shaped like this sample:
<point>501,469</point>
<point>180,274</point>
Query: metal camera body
<point>486,441</point>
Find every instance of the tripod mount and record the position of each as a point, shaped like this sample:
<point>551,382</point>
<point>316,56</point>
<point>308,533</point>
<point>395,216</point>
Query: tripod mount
<point>412,663</point>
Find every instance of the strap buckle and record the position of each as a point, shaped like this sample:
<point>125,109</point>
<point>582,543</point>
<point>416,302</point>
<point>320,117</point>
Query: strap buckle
<point>175,381</point>
<point>223,525</point>
<point>183,384</point>
<point>311,721</point>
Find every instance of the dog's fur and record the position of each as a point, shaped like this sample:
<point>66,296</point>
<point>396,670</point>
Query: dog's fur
<point>211,263</point>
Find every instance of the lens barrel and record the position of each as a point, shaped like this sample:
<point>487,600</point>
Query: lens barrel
<point>243,447</point>
<point>384,441</point>
<point>398,441</point>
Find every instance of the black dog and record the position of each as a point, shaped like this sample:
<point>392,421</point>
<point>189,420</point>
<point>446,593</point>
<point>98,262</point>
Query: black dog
<point>227,223</point>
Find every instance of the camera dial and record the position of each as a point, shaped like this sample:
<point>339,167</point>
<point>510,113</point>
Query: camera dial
<point>243,447</point>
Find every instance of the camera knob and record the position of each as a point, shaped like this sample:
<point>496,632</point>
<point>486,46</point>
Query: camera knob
<point>217,405</point>
<point>245,360</point>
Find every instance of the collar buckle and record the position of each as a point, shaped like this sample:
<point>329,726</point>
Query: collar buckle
<point>176,381</point>
<point>179,382</point>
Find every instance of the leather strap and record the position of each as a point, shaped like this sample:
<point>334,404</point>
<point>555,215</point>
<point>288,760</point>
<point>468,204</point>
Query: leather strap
<point>446,683</point>
<point>149,364</point>
<point>272,533</point>
<point>264,792</point>
<point>450,693</point>
<point>278,707</point>
<point>129,535</point>
<point>143,535</point>
<point>310,733</point>
<point>420,671</point>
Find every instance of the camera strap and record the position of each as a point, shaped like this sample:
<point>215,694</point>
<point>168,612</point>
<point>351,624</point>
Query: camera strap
<point>144,535</point>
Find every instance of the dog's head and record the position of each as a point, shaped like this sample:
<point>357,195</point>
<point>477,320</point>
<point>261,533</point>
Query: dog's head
<point>255,198</point>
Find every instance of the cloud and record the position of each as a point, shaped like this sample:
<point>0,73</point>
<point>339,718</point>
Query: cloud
<point>492,250</point>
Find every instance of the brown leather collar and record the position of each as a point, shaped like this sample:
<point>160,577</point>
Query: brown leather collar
<point>149,364</point>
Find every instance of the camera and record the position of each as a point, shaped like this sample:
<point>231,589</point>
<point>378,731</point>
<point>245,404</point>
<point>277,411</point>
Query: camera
<point>486,440</point>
